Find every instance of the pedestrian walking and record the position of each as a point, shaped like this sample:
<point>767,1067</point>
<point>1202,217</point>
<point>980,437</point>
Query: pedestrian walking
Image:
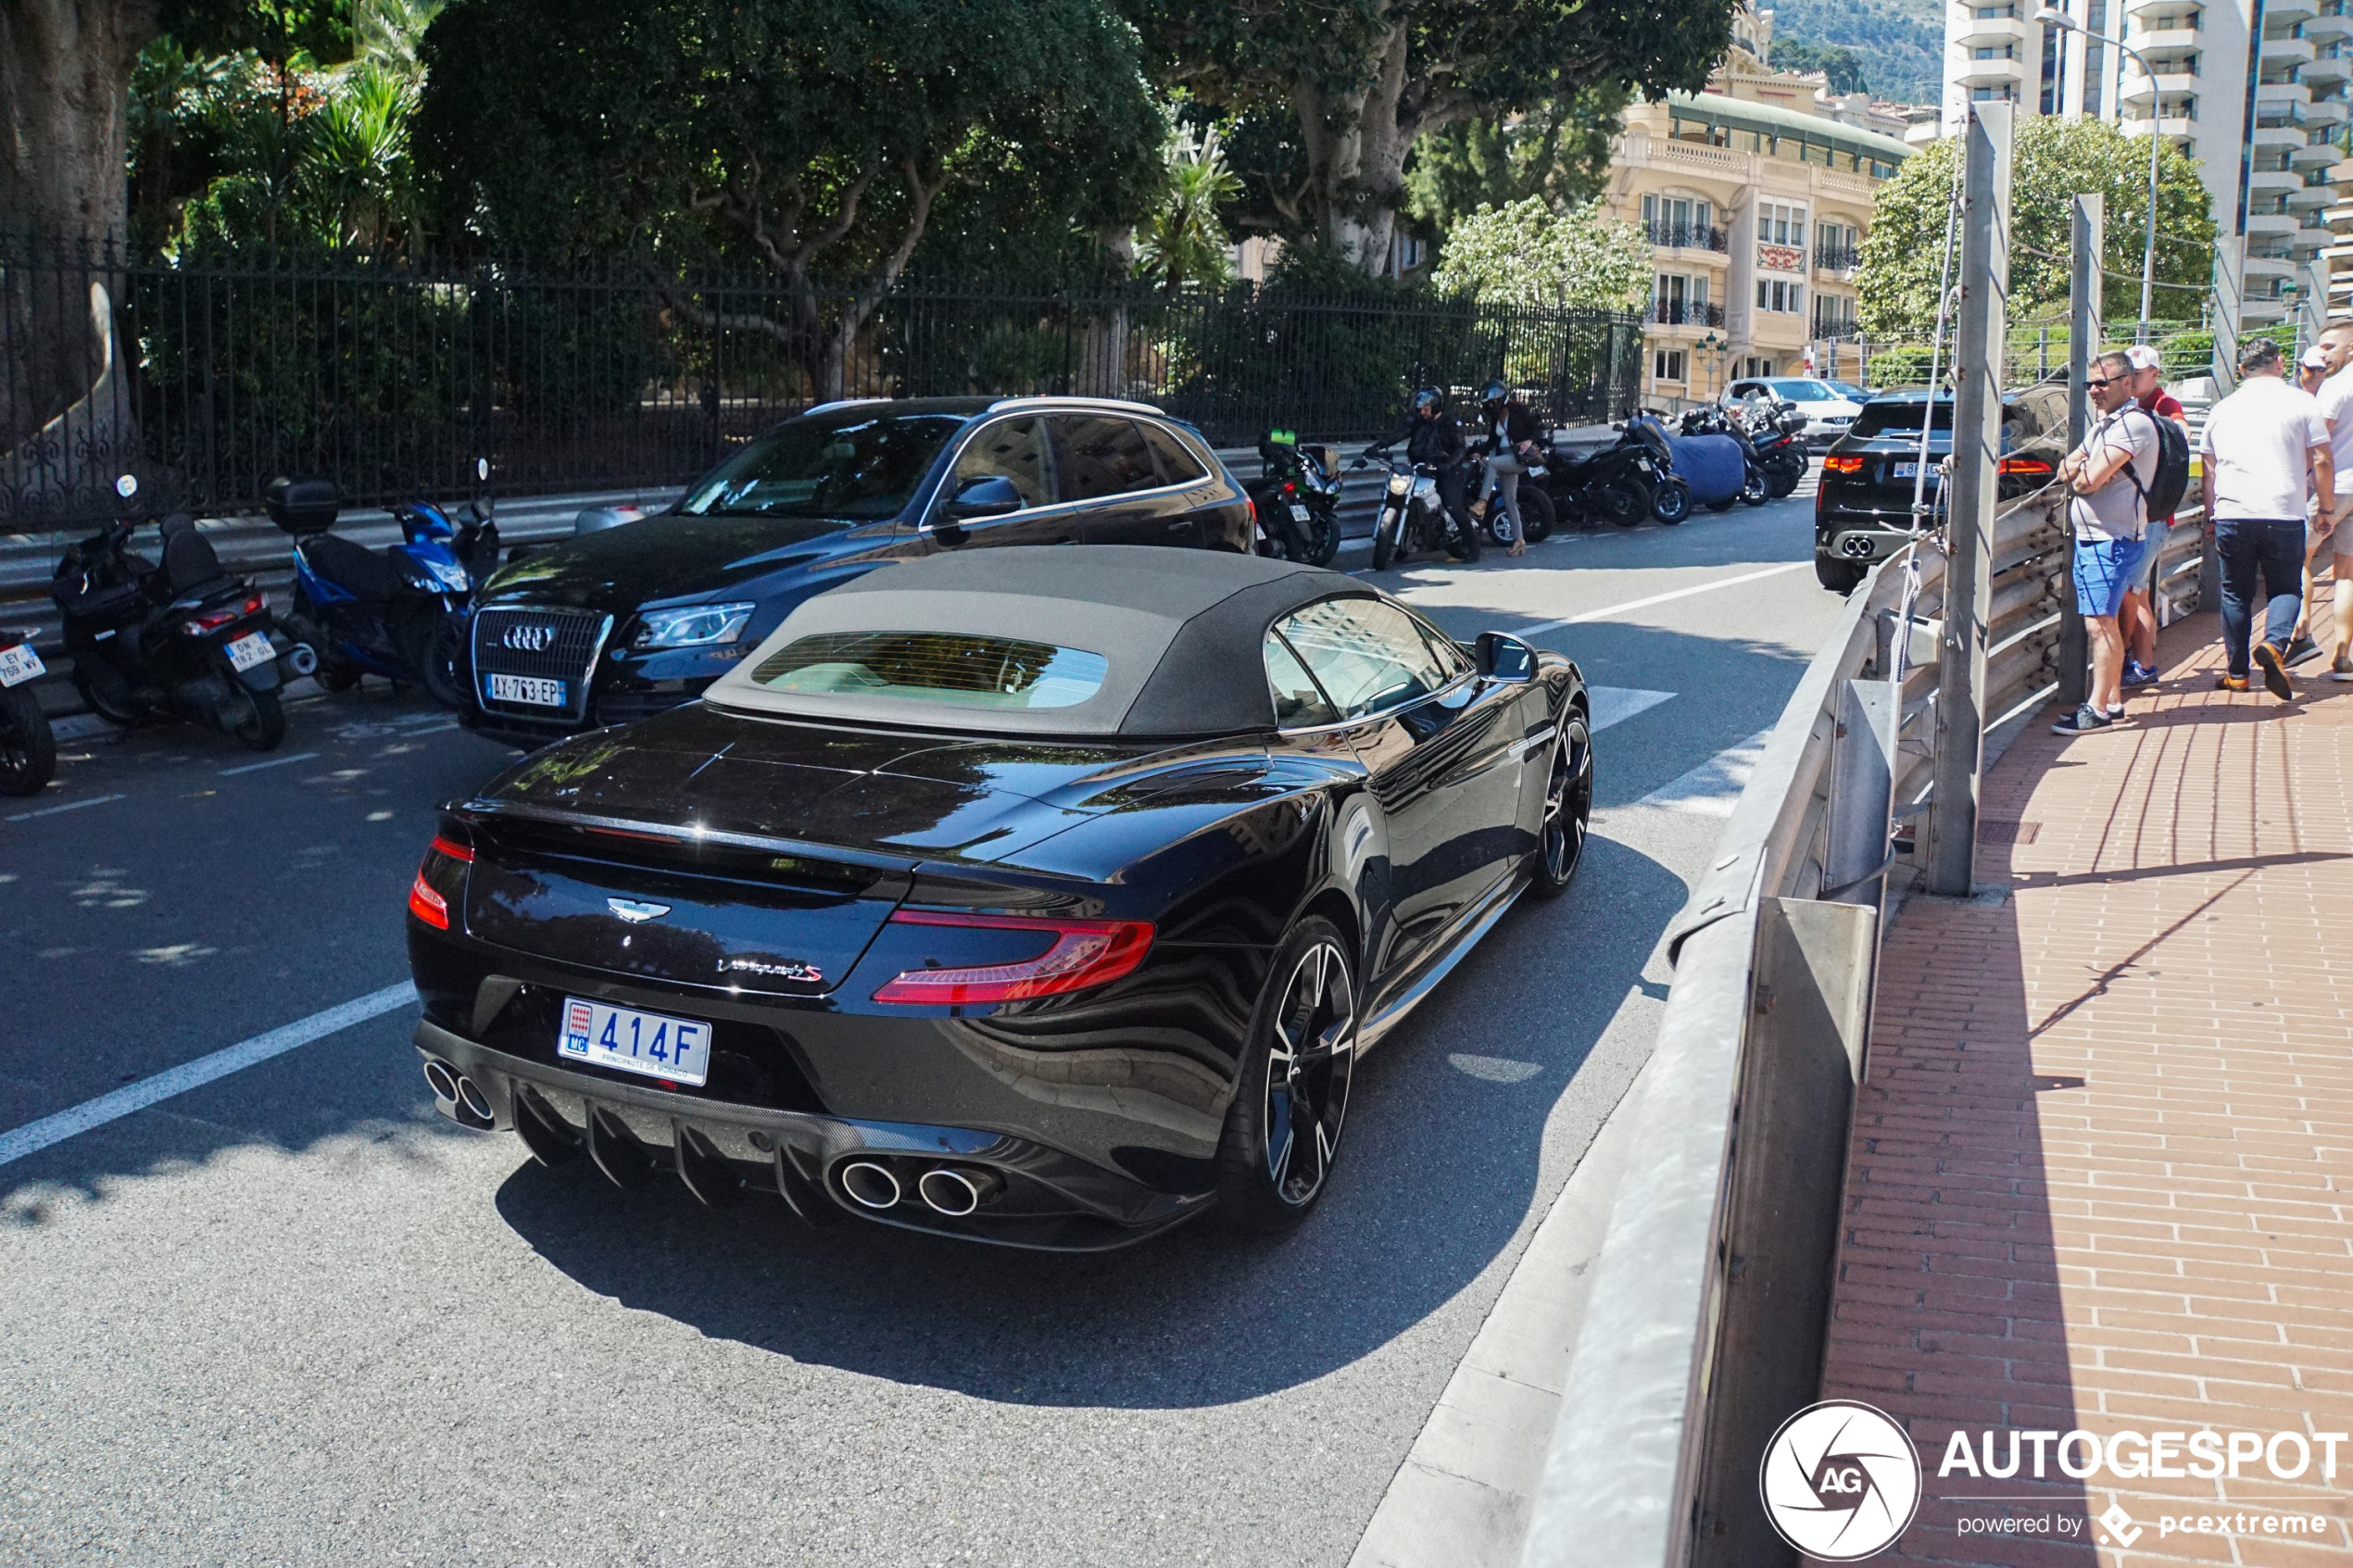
<point>2266,452</point>
<point>2138,617</point>
<point>1510,440</point>
<point>2333,508</point>
<point>2107,516</point>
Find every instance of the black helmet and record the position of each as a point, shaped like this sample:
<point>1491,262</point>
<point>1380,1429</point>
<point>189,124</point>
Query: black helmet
<point>1427,397</point>
<point>1495,392</point>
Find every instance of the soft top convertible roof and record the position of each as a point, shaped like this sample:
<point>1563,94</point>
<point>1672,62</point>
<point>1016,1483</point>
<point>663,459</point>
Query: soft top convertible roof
<point>1181,630</point>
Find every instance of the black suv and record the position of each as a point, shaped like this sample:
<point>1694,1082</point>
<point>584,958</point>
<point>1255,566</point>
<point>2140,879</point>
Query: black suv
<point>1862,511</point>
<point>608,627</point>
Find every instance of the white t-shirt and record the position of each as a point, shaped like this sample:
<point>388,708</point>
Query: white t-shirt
<point>2335,398</point>
<point>2258,445</point>
<point>2115,510</point>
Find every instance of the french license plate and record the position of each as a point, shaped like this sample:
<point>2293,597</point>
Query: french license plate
<point>18,665</point>
<point>1298,512</point>
<point>249,650</point>
<point>647,1042</point>
<point>1907,470</point>
<point>527,688</point>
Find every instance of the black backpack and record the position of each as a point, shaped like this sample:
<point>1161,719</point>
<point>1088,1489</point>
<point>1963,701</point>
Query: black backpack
<point>2162,494</point>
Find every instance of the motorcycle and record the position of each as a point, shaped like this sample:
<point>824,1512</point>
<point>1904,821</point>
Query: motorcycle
<point>1777,431</point>
<point>397,614</point>
<point>1535,506</point>
<point>1756,485</point>
<point>1613,483</point>
<point>28,748</point>
<point>1412,515</point>
<point>180,637</point>
<point>1297,499</point>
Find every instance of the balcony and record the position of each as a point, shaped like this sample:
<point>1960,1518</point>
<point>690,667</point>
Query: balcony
<point>2325,111</point>
<point>2311,155</point>
<point>2327,26</point>
<point>2165,8</point>
<point>1836,324</point>
<point>2332,62</point>
<point>1991,73</point>
<point>1686,313</point>
<point>2314,198</point>
<point>1996,31</point>
<point>1686,237</point>
<point>2137,89</point>
<point>1838,258</point>
<point>2171,40</point>
<point>2281,54</point>
<point>2281,100</point>
<point>2285,12</point>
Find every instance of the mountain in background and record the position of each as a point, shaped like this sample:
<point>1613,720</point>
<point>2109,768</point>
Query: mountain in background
<point>1898,44</point>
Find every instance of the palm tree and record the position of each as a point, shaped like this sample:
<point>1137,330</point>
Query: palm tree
<point>1184,241</point>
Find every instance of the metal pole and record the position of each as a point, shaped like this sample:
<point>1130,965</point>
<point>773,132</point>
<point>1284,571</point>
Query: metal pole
<point>1977,440</point>
<point>2084,285</point>
<point>2148,246</point>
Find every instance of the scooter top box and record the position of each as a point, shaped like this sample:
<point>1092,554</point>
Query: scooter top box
<point>301,506</point>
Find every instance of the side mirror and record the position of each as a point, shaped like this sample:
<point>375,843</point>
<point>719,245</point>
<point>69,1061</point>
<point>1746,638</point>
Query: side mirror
<point>989,495</point>
<point>1502,656</point>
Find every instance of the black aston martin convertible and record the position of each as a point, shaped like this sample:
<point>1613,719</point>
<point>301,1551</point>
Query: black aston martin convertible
<point>1041,897</point>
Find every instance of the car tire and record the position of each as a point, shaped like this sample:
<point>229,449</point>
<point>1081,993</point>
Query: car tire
<point>28,748</point>
<point>1671,502</point>
<point>1282,1130</point>
<point>1568,809</point>
<point>1838,576</point>
<point>444,651</point>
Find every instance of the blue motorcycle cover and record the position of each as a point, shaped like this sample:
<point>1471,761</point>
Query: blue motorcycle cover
<point>1712,465</point>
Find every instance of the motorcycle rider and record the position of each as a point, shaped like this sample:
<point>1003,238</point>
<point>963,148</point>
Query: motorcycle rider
<point>1511,432</point>
<point>1433,438</point>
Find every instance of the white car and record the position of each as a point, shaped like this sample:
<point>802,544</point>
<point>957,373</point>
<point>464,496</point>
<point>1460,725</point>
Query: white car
<point>1829,406</point>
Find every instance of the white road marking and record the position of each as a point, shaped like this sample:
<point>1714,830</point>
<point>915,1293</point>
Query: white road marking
<point>1495,1068</point>
<point>1615,705</point>
<point>35,1137</point>
<point>1608,611</point>
<point>69,805</point>
<point>1710,789</point>
<point>273,762</point>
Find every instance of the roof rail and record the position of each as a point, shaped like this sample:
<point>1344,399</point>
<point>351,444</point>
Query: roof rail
<point>842,403</point>
<point>1052,400</point>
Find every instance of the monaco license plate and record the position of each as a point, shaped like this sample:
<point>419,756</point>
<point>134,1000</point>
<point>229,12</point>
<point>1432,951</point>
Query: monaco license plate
<point>527,688</point>
<point>249,650</point>
<point>18,665</point>
<point>647,1042</point>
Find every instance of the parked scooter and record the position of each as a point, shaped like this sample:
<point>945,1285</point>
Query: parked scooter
<point>1412,515</point>
<point>397,614</point>
<point>28,748</point>
<point>1613,483</point>
<point>1776,430</point>
<point>1535,506</point>
<point>182,637</point>
<point>1297,499</point>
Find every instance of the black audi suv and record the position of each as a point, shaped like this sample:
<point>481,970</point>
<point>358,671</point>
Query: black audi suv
<point>613,626</point>
<point>1863,511</point>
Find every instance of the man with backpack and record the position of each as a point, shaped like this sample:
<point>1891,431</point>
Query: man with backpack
<point>2139,617</point>
<point>2110,475</point>
<point>2266,451</point>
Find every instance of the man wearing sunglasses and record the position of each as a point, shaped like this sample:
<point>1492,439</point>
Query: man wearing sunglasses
<point>2265,454</point>
<point>2108,518</point>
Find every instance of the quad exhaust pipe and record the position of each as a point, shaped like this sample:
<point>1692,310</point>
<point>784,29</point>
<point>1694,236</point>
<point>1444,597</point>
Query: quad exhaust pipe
<point>955,1191</point>
<point>870,1186</point>
<point>463,1093</point>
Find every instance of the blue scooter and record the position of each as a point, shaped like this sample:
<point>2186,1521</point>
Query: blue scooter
<point>399,614</point>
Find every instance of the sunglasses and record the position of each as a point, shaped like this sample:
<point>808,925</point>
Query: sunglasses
<point>2097,382</point>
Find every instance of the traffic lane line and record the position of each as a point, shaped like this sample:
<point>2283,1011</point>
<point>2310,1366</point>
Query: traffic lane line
<point>69,805</point>
<point>1606,613</point>
<point>272,762</point>
<point>35,1137</point>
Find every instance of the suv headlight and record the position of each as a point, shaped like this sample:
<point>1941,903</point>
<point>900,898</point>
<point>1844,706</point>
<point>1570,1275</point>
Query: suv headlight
<point>690,626</point>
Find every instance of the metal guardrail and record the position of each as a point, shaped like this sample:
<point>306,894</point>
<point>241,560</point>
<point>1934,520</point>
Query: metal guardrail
<point>1708,1305</point>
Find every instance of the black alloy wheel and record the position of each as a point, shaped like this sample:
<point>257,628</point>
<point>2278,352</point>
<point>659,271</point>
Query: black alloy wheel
<point>1625,503</point>
<point>1568,809</point>
<point>444,648</point>
<point>1282,1131</point>
<point>107,697</point>
<point>28,749</point>
<point>263,727</point>
<point>1536,512</point>
<point>1386,528</point>
<point>1671,502</point>
<point>1323,537</point>
<point>1756,489</point>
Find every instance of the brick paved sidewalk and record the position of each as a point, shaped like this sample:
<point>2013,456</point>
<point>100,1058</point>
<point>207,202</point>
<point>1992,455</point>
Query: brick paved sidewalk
<point>2102,1168</point>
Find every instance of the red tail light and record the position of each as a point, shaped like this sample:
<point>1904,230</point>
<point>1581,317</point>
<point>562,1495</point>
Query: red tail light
<point>1842,465</point>
<point>1083,953</point>
<point>1290,489</point>
<point>429,903</point>
<point>2028,468</point>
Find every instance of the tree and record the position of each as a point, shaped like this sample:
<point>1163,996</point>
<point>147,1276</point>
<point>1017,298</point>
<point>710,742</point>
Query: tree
<point>1184,240</point>
<point>1527,254</point>
<point>1558,151</point>
<point>2052,159</point>
<point>1358,82</point>
<point>1841,65</point>
<point>811,137</point>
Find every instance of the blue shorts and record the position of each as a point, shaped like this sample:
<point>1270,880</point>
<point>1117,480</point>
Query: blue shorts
<point>2103,571</point>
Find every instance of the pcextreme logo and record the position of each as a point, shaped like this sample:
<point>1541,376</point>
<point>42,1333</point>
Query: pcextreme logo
<point>1841,1480</point>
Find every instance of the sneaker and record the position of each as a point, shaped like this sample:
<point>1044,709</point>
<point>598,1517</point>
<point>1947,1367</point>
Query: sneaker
<point>2341,668</point>
<point>2139,674</point>
<point>2274,668</point>
<point>2116,713</point>
<point>2302,649</point>
<point>2084,721</point>
<point>2229,682</point>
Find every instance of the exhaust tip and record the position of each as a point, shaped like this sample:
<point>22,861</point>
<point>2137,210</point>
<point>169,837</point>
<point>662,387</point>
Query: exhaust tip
<point>957,1192</point>
<point>302,658</point>
<point>470,1101</point>
<point>443,1081</point>
<point>870,1186</point>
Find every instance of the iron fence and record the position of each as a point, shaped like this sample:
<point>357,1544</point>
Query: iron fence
<point>207,377</point>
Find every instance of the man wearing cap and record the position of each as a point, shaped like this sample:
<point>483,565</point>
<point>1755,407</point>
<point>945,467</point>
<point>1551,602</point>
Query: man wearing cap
<point>2138,617</point>
<point>2264,452</point>
<point>2312,370</point>
<point>2331,508</point>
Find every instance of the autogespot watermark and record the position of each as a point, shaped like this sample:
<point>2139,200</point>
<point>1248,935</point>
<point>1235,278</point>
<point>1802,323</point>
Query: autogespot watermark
<point>1842,1480</point>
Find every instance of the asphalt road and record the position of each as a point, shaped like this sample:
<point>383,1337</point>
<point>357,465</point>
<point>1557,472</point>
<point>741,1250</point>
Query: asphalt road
<point>292,1317</point>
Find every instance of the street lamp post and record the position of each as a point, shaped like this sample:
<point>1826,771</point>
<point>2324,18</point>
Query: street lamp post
<point>2050,16</point>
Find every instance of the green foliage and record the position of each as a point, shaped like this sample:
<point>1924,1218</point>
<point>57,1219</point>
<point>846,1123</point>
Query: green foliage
<point>1841,65</point>
<point>1904,365</point>
<point>1183,239</point>
<point>1527,254</point>
<point>2052,159</point>
<point>1558,151</point>
<point>1901,41</point>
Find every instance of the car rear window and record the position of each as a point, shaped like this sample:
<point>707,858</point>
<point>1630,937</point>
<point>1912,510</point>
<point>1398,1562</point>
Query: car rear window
<point>954,668</point>
<point>1888,418</point>
<point>1177,465</point>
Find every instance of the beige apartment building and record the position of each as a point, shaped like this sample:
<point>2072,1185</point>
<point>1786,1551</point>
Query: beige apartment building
<point>1756,195</point>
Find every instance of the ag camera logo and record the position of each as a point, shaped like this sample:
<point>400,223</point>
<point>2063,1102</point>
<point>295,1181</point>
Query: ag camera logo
<point>1841,1481</point>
